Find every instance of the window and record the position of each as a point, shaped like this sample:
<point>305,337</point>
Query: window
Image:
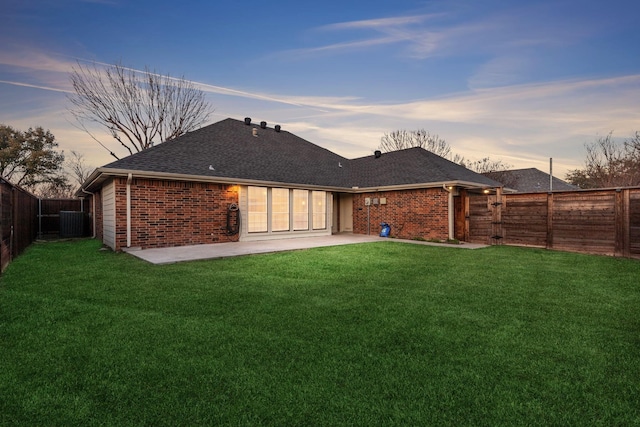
<point>257,210</point>
<point>319,199</point>
<point>272,210</point>
<point>300,209</point>
<point>279,209</point>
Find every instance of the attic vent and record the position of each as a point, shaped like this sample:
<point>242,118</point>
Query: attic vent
<point>263,125</point>
<point>377,153</point>
<point>277,128</point>
<point>247,120</point>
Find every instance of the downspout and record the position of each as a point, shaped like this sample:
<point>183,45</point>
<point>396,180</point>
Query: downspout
<point>451,210</point>
<point>129,179</point>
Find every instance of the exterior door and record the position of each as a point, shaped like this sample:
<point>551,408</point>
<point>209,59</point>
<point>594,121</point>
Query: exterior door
<point>346,213</point>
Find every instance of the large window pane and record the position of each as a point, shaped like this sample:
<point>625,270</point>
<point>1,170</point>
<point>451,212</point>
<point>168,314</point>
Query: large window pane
<point>280,209</point>
<point>257,212</point>
<point>300,209</point>
<point>319,199</point>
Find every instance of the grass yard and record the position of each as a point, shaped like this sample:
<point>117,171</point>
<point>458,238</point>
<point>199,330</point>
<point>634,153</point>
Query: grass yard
<point>373,334</point>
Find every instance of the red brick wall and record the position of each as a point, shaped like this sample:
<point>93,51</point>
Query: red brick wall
<point>421,213</point>
<point>173,213</point>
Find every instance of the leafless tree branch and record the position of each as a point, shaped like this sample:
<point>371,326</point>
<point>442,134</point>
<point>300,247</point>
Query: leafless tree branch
<point>138,109</point>
<point>609,164</point>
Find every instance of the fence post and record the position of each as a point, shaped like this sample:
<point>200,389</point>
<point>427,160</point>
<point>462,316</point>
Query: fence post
<point>621,209</point>
<point>549,220</point>
<point>497,237</point>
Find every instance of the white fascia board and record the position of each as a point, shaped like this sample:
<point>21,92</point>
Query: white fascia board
<point>102,174</point>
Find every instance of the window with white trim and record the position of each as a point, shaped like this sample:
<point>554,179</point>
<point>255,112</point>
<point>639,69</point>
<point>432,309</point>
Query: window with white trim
<point>257,210</point>
<point>319,203</point>
<point>300,209</point>
<point>280,209</point>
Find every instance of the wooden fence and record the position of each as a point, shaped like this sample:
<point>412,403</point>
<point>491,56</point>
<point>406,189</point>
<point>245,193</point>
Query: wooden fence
<point>603,222</point>
<point>24,217</point>
<point>18,221</point>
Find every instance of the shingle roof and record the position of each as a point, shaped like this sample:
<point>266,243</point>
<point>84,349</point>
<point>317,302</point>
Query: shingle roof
<point>530,180</point>
<point>228,149</point>
<point>410,166</point>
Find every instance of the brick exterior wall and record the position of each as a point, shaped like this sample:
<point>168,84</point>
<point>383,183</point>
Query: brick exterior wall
<point>421,213</point>
<point>168,213</point>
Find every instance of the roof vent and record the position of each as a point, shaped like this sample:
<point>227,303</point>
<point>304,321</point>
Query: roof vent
<point>377,153</point>
<point>255,132</point>
<point>277,128</point>
<point>263,125</point>
<point>247,120</point>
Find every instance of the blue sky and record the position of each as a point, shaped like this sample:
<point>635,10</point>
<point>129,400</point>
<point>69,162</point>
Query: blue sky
<point>518,81</point>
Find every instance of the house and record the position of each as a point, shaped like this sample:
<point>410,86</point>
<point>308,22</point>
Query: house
<point>529,180</point>
<point>240,181</point>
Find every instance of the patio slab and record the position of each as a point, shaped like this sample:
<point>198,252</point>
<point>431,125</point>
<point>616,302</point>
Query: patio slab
<point>225,250</point>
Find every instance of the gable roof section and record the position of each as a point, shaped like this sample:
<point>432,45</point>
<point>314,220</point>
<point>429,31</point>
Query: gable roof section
<point>227,151</point>
<point>531,180</point>
<point>412,166</point>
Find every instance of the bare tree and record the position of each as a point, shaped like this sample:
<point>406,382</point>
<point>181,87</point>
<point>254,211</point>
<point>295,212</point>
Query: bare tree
<point>609,164</point>
<point>401,139</point>
<point>487,166</point>
<point>138,108</point>
<point>494,169</point>
<point>54,190</point>
<point>77,168</point>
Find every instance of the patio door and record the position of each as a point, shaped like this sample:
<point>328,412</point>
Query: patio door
<point>346,213</point>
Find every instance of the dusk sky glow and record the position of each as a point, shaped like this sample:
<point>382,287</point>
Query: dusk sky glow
<point>518,81</point>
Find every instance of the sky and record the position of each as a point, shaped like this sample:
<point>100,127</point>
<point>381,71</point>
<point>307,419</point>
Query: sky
<point>515,81</point>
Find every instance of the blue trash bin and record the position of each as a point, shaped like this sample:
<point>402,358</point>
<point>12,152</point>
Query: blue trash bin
<point>386,229</point>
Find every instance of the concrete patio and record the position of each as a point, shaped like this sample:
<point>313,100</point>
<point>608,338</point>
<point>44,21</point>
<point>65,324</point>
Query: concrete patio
<point>225,250</point>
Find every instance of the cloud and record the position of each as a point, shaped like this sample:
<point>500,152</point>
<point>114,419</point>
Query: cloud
<point>384,31</point>
<point>53,89</point>
<point>519,29</point>
<point>34,60</point>
<point>382,23</point>
<point>523,124</point>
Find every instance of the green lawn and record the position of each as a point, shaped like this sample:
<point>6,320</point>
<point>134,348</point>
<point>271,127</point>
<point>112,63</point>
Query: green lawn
<point>373,334</point>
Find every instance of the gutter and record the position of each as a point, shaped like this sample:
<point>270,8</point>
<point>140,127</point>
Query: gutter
<point>462,184</point>
<point>102,173</point>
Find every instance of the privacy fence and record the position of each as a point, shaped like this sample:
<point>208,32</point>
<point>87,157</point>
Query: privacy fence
<point>24,217</point>
<point>603,222</point>
<point>18,221</point>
